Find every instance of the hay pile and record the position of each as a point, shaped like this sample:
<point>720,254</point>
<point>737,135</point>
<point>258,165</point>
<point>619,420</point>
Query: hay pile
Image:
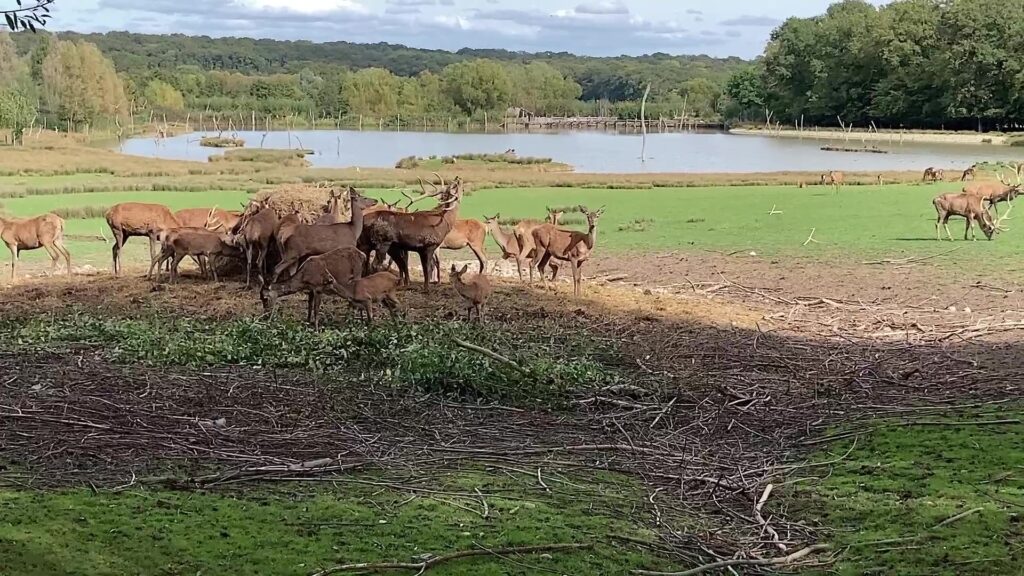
<point>307,200</point>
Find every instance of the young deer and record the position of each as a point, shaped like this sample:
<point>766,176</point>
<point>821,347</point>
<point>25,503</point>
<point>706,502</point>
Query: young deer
<point>315,276</point>
<point>474,291</point>
<point>46,231</point>
<point>196,242</point>
<point>509,245</point>
<point>368,290</point>
<point>967,206</point>
<point>568,245</point>
<point>255,233</point>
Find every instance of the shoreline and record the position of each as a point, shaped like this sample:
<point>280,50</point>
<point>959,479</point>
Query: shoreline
<point>886,137</point>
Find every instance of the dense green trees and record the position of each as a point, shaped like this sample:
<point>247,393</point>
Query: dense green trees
<point>162,96</point>
<point>80,84</point>
<point>913,63</point>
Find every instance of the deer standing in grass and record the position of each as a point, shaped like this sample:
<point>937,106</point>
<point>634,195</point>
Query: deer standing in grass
<point>993,193</point>
<point>569,246</point>
<point>318,274</point>
<point>524,236</point>
<point>934,175</point>
<point>969,207</point>
<point>834,179</point>
<point>131,219</point>
<point>475,291</point>
<point>509,245</point>
<point>46,231</point>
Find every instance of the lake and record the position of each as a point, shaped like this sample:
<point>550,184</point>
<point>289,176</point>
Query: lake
<point>596,152</point>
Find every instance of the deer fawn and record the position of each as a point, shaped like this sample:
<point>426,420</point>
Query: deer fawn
<point>475,291</point>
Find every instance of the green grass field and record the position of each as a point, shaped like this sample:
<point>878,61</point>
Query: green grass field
<point>862,222</point>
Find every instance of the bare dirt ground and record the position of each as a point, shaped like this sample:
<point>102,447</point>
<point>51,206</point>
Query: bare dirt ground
<point>736,369</point>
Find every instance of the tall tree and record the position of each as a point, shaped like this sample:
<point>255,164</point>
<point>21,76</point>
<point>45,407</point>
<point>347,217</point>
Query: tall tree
<point>373,92</point>
<point>479,85</point>
<point>80,84</point>
<point>17,111</point>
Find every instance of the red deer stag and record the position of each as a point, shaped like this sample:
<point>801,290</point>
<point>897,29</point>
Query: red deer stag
<point>967,206</point>
<point>132,219</point>
<point>396,234</point>
<point>993,193</point>
<point>308,240</point>
<point>318,274</point>
<point>834,179</point>
<point>524,235</point>
<point>46,231</point>
<point>569,246</point>
<point>509,245</point>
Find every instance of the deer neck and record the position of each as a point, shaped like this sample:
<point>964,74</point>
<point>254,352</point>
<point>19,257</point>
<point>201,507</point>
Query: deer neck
<point>591,238</point>
<point>357,221</point>
<point>500,235</point>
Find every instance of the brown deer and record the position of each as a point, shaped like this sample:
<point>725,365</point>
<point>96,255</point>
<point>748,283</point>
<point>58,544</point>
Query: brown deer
<point>524,236</point>
<point>131,219</point>
<point>834,179</point>
<point>396,233</point>
<point>465,234</point>
<point>993,193</point>
<point>971,173</point>
<point>567,245</point>
<point>368,290</point>
<point>315,276</point>
<point>195,242</point>
<point>209,218</point>
<point>934,175</point>
<point>475,291</point>
<point>509,245</point>
<point>965,205</point>
<point>46,231</point>
<point>307,240</point>
<point>333,213</point>
<point>255,233</point>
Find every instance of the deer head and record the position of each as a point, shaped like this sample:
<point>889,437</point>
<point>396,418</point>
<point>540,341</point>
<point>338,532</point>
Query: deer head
<point>457,274</point>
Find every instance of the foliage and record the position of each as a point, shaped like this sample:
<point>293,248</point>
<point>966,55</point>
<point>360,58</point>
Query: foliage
<point>373,92</point>
<point>163,96</point>
<point>398,353</point>
<point>915,63</point>
<point>36,14</point>
<point>16,111</point>
<point>478,85</point>
<point>80,84</point>
<point>221,142</point>
<point>292,158</point>
<point>900,481</point>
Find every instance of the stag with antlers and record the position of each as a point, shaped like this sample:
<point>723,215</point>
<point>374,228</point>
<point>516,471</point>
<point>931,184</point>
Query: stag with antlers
<point>569,246</point>
<point>397,233</point>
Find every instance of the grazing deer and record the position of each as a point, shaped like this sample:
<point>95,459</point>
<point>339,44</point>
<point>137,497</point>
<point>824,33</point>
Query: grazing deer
<point>131,219</point>
<point>934,175</point>
<point>195,242</point>
<point>967,206</point>
<point>834,179</point>
<point>307,240</point>
<point>971,173</point>
<point>524,236</point>
<point>315,276</point>
<point>474,291</point>
<point>369,290</point>
<point>465,233</point>
<point>567,245</point>
<point>509,245</point>
<point>46,231</point>
<point>255,232</point>
<point>397,233</point>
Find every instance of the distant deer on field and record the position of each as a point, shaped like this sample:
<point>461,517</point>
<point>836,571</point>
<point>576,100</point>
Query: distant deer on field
<point>970,173</point>
<point>46,231</point>
<point>509,245</point>
<point>834,178</point>
<point>934,175</point>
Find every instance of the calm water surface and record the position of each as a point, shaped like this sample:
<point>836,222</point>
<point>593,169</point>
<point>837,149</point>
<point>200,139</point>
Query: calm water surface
<point>591,151</point>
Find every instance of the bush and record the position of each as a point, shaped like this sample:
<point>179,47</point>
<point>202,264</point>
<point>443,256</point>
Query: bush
<point>221,142</point>
<point>408,163</point>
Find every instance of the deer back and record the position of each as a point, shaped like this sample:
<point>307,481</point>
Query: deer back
<point>141,218</point>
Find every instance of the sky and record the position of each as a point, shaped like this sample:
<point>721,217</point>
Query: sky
<point>592,27</point>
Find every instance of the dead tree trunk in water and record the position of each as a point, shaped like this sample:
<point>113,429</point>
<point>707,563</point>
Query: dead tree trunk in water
<point>643,124</point>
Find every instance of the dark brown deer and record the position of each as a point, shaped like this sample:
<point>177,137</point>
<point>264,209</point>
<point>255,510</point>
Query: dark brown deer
<point>396,233</point>
<point>971,173</point>
<point>569,246</point>
<point>967,206</point>
<point>934,175</point>
<point>318,274</point>
<point>46,231</point>
<point>509,245</point>
<point>131,219</point>
<point>308,240</point>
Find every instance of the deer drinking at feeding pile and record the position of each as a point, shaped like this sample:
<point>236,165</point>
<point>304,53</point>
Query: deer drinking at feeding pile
<point>46,231</point>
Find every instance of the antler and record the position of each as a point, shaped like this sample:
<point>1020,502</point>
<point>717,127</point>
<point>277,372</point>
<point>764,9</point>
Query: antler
<point>998,224</point>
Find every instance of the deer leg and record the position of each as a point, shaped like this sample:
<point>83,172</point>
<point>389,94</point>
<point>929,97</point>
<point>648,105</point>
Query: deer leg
<point>14,260</point>
<point>479,252</point>
<point>542,259</point>
<point>391,303</point>
<point>116,250</point>
<point>54,257</point>
<point>369,311</point>
<point>427,261</point>
<point>554,271</point>
<point>317,297</point>
<point>64,252</point>
<point>212,266</point>
<point>152,247</point>
<point>575,278</point>
<point>248,265</point>
<point>174,267</point>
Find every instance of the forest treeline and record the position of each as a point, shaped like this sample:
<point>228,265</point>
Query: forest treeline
<point>175,74</point>
<point>935,64</point>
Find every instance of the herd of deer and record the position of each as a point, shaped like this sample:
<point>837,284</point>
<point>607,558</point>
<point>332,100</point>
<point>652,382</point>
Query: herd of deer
<point>347,257</point>
<point>974,202</point>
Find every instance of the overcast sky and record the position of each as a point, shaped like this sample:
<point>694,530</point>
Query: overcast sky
<point>595,27</point>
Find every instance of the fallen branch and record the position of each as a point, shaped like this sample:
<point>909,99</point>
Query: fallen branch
<point>422,567</point>
<point>811,238</point>
<point>492,355</point>
<point>777,562</point>
<point>910,260</point>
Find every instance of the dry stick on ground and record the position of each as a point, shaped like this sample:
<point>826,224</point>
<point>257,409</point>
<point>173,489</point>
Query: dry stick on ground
<point>774,211</point>
<point>428,564</point>
<point>811,238</point>
<point>776,562</point>
<point>764,523</point>
<point>910,260</point>
<point>490,354</point>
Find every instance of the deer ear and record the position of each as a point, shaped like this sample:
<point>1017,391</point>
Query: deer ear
<point>453,269</point>
<point>464,269</point>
